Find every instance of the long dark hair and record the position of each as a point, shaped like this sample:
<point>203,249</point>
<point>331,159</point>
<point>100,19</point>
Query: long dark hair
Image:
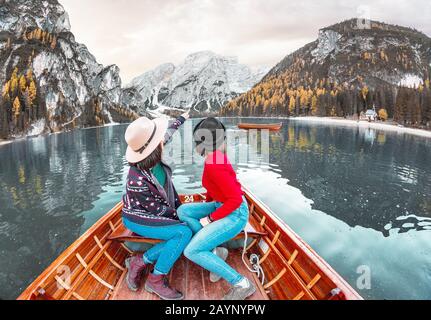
<point>151,161</point>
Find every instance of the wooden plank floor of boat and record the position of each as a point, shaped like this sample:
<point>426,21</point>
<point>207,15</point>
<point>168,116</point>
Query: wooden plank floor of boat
<point>194,282</point>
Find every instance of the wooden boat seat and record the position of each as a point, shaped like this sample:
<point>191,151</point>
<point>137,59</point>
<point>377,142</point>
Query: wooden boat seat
<point>122,234</point>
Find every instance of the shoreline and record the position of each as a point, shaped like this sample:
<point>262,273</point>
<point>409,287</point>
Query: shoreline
<point>5,142</point>
<point>393,127</point>
<point>388,126</point>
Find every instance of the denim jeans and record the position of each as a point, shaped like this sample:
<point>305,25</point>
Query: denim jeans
<point>217,233</point>
<point>165,254</point>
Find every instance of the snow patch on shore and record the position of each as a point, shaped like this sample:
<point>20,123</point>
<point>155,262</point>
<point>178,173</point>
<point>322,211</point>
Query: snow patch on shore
<point>410,81</point>
<point>2,143</point>
<point>364,124</point>
<point>37,128</point>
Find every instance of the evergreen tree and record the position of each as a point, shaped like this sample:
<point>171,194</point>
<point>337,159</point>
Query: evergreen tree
<point>14,82</point>
<point>6,89</point>
<point>383,114</point>
<point>32,92</point>
<point>4,123</point>
<point>39,34</point>
<point>314,105</point>
<point>401,106</point>
<point>292,105</point>
<point>415,108</point>
<point>54,42</point>
<point>16,110</point>
<point>427,107</point>
<point>29,75</point>
<point>22,84</point>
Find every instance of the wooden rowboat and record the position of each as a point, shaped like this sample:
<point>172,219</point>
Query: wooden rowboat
<point>268,126</point>
<point>93,268</point>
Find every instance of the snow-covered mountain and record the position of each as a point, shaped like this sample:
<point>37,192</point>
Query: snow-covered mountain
<point>350,53</point>
<point>49,81</point>
<point>205,81</point>
<point>348,69</point>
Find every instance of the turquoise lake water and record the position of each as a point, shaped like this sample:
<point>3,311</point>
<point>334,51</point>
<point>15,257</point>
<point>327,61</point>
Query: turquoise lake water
<point>360,197</point>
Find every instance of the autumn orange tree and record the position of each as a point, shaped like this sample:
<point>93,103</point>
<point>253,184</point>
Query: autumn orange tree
<point>19,105</point>
<point>383,115</point>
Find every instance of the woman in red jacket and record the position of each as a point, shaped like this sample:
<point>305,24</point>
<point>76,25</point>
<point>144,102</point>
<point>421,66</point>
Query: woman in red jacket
<point>224,215</point>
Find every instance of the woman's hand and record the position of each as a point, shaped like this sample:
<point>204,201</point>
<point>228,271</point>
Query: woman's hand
<point>186,115</point>
<point>205,221</point>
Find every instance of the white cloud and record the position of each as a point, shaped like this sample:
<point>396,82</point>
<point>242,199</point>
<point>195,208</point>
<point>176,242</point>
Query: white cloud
<point>138,35</point>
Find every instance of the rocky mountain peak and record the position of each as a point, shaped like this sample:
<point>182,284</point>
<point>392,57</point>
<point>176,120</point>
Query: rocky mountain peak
<point>19,15</point>
<point>200,57</point>
<point>364,26</point>
<point>357,52</point>
<point>68,86</point>
<point>204,81</point>
<point>351,67</point>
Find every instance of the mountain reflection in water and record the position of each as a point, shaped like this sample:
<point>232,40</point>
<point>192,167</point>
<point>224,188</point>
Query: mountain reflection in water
<point>359,197</point>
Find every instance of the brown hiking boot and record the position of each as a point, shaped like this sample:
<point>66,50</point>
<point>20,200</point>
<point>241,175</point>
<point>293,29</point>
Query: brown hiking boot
<point>159,285</point>
<point>135,270</point>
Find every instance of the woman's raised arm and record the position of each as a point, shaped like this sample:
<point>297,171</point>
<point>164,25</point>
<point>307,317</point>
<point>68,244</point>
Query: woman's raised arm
<point>175,126</point>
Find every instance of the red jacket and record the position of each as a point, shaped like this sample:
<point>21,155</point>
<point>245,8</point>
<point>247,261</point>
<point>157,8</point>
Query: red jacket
<point>221,183</point>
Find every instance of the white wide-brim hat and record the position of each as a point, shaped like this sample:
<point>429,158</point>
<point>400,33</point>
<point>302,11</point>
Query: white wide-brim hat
<point>143,136</point>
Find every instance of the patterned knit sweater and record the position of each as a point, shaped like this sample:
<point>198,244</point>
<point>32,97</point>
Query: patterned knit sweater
<point>148,203</point>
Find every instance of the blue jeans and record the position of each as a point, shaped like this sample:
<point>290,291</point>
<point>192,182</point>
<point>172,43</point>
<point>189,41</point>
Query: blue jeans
<point>166,253</point>
<point>217,233</point>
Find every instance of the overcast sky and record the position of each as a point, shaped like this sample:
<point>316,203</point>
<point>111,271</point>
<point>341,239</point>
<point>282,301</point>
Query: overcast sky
<point>139,35</point>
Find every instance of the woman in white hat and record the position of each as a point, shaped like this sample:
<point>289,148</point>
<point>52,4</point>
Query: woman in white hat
<point>150,205</point>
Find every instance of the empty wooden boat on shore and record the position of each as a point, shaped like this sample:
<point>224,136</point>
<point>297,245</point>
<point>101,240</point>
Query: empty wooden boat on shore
<point>93,267</point>
<point>263,126</point>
